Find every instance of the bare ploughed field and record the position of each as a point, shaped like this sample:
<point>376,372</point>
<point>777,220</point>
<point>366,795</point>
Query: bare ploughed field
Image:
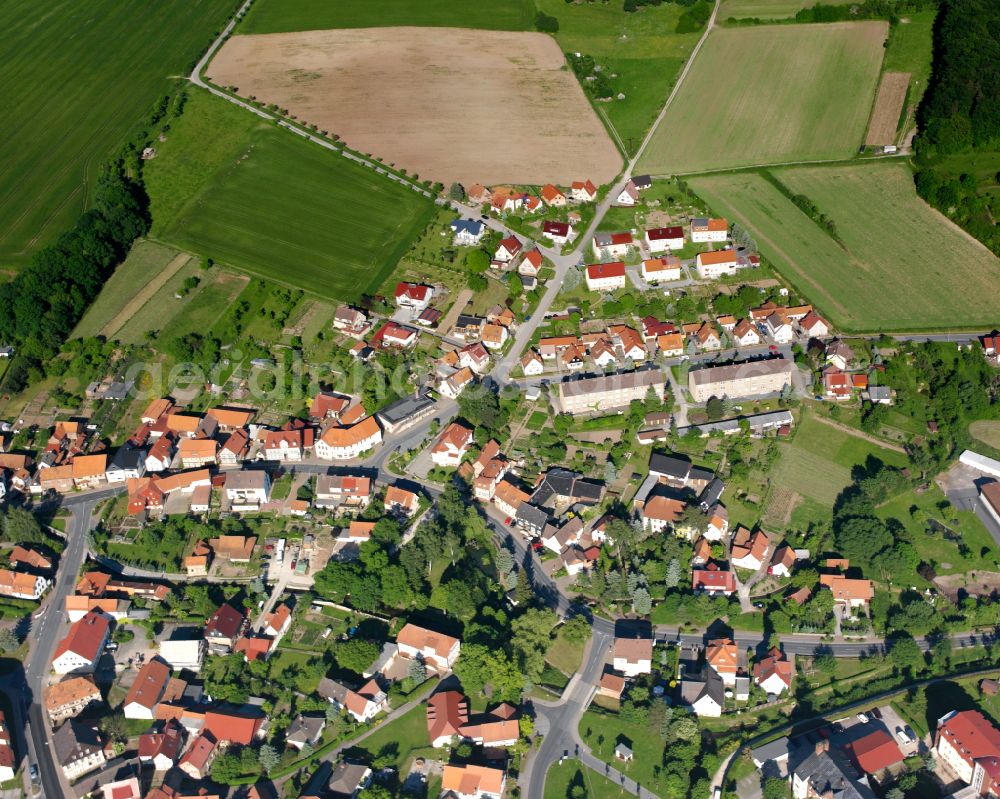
<point>888,108</point>
<point>449,104</point>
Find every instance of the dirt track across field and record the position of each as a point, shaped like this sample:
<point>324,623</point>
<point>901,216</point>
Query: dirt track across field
<point>145,294</point>
<point>888,108</point>
<point>449,104</point>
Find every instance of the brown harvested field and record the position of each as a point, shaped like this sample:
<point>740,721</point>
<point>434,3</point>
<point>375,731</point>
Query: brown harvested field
<point>888,108</point>
<point>446,103</point>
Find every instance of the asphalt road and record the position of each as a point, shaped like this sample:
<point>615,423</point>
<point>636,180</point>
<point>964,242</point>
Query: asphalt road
<point>45,634</point>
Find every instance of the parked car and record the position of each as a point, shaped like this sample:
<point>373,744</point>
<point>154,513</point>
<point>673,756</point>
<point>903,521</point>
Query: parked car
<point>863,718</point>
<point>875,712</point>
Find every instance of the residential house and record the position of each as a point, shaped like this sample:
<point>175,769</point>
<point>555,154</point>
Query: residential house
<point>363,704</point>
<point>230,419</point>
<point>197,760</point>
<point>22,585</point>
<point>456,383</point>
<point>248,490</point>
<point>161,747</point>
<point>447,713</point>
<point>778,328</point>
<point>399,500</point>
<point>659,512</point>
<point>452,445</point>
<point>437,651</point>
<point>494,336</point>
<point>774,673</point>
<point>839,354</point>
<point>350,320</point>
<point>583,191</point>
<point>327,405</point>
<point>559,233</point>
<point>552,196</point>
<point>628,196</point>
<point>160,455</point>
<point>848,592</point>
<point>633,656</point>
<point>612,245</point>
<point>629,340</point>
<point>127,463</point>
<point>670,344</point>
<point>222,629</point>
<point>348,780</point>
<point>605,277</point>
<point>277,622</point>
<point>473,782</point>
<point>147,690</point>
<point>703,697</point>
<point>475,356</point>
<point>347,492</point>
<point>305,729</point>
<point>71,697</point>
<point>531,363</point>
<point>815,773</point>
<point>508,497</point>
<point>495,728</point>
<point>656,270</point>
<point>235,548</point>
<point>722,656</point>
<point>83,645</point>
<point>235,449</point>
<point>745,334</point>
<point>530,264</point>
<point>507,250</point>
<point>738,380</point>
<point>611,685</point>
<point>196,564</point>
<point>89,471</point>
<point>468,232</point>
<point>287,445</point>
<point>704,230</point>
<point>197,452</point>
<point>716,263</point>
<point>969,745</point>
<point>78,749</point>
<point>662,239</point>
<point>707,338</point>
<point>712,580</point>
<point>875,754</point>
<point>813,325</point>
<point>415,296</point>
<point>478,194</point>
<point>749,549</point>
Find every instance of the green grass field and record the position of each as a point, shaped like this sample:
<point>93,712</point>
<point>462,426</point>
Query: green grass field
<point>400,738</point>
<point>986,431</point>
<point>771,94</point>
<point>902,266</point>
<point>77,77</point>
<point>910,49</point>
<point>817,463</point>
<point>641,49</point>
<point>561,776</point>
<point>766,9</point>
<point>146,258</point>
<point>282,16</point>
<point>268,203</point>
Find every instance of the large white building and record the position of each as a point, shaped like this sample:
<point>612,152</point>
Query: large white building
<point>605,277</point>
<point>609,392</point>
<point>83,645</point>
<point>747,379</point>
<point>344,443</point>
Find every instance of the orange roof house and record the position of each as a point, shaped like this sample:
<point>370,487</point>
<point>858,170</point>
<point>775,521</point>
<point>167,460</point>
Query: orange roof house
<point>874,752</point>
<point>472,780</point>
<point>848,591</point>
<point>231,418</point>
<point>722,655</point>
<point>147,690</point>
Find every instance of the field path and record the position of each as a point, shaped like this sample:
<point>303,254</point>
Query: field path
<point>145,295</point>
<point>859,434</point>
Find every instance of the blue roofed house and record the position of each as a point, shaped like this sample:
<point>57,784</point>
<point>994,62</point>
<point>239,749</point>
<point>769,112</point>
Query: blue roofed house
<point>468,232</point>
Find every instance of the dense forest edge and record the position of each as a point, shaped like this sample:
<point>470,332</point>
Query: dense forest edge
<point>958,144</point>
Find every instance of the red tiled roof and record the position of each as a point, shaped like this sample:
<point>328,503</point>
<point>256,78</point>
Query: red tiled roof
<point>613,269</point>
<point>225,622</point>
<point>149,684</point>
<point>85,637</point>
<point>874,752</point>
<point>235,729</point>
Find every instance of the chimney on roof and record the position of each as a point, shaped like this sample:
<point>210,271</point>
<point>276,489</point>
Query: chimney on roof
<point>822,745</point>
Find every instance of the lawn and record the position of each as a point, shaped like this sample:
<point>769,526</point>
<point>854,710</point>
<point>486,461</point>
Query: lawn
<point>986,431</point>
<point>564,655</point>
<point>640,51</point>
<point>402,738</point>
<point>975,548</point>
<point>817,463</point>
<point>562,776</point>
<point>284,209</point>
<point>279,16</point>
<point>909,50</point>
<point>766,9</point>
<point>111,309</point>
<point>77,77</point>
<point>771,94</point>
<point>876,280</point>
